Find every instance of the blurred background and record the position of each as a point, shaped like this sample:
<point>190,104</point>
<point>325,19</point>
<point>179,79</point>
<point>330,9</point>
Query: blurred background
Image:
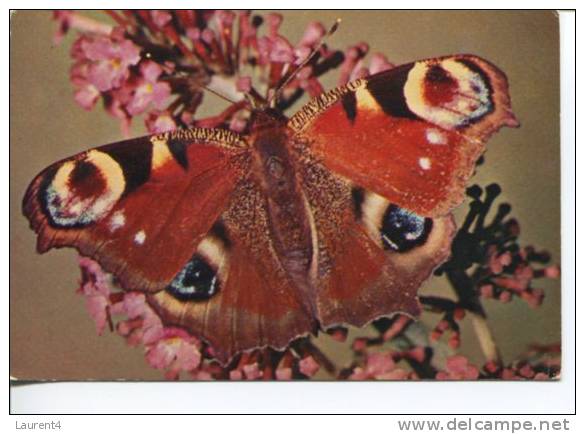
<point>52,335</point>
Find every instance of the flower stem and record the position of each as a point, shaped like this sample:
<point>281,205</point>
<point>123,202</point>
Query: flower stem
<point>485,338</point>
<point>86,24</point>
<point>469,300</point>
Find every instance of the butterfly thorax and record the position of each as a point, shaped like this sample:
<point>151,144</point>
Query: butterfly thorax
<point>276,172</point>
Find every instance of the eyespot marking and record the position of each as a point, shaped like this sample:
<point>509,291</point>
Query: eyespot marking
<point>392,227</point>
<point>82,191</point>
<point>402,230</point>
<point>205,273</point>
<point>196,281</point>
<point>387,88</point>
<point>451,93</point>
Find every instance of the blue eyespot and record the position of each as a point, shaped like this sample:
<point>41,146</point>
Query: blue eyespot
<point>403,230</point>
<point>196,281</point>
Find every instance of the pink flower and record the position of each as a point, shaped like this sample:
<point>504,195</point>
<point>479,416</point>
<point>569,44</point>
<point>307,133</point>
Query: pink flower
<point>379,63</point>
<point>109,60</point>
<point>176,351</point>
<point>284,373</point>
<point>284,369</point>
<point>244,84</point>
<point>458,368</point>
<point>396,374</point>
<point>252,371</point>
<point>63,18</point>
<point>148,329</point>
<point>86,94</point>
<point>308,366</point>
<point>397,327</point>
<point>246,369</point>
<point>149,90</point>
<point>275,49</point>
<point>159,122</point>
<point>497,261</point>
<point>200,374</point>
<point>236,374</point>
<point>115,105</point>
<point>418,354</point>
<point>313,35</point>
<point>96,290</point>
<point>238,125</point>
<point>338,334</point>
<point>379,366</point>
<point>352,63</point>
<point>160,18</point>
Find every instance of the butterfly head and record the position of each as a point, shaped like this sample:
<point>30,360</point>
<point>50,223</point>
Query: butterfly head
<point>265,118</point>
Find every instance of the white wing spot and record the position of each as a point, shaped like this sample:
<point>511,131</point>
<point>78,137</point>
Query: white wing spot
<point>117,221</point>
<point>424,163</point>
<point>140,237</point>
<point>436,137</point>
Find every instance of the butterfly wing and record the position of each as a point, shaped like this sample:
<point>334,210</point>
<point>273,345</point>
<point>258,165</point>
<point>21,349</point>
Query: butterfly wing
<point>373,255</point>
<point>140,207</point>
<point>257,304</point>
<point>385,160</point>
<point>411,134</point>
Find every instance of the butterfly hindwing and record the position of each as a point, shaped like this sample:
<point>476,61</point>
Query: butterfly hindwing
<point>373,255</point>
<point>140,206</point>
<point>411,134</point>
<point>257,303</point>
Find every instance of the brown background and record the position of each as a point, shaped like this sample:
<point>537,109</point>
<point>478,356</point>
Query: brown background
<point>52,336</point>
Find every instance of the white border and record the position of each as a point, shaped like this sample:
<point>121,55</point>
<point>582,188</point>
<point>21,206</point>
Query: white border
<point>398,398</point>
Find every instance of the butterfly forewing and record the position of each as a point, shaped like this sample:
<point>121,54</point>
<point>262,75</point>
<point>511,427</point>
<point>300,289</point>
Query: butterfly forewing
<point>411,134</point>
<point>140,207</point>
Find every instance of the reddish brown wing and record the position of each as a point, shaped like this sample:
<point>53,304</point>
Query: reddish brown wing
<point>373,256</point>
<point>257,304</point>
<point>411,134</point>
<point>140,207</point>
<point>385,159</point>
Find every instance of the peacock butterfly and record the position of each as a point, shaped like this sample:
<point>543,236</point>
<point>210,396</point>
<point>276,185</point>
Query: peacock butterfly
<point>334,216</point>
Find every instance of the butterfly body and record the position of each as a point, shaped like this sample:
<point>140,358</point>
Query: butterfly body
<point>277,174</point>
<point>335,216</point>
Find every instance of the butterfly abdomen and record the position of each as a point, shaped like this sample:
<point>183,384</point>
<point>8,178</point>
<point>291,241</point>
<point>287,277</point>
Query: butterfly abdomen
<point>289,219</point>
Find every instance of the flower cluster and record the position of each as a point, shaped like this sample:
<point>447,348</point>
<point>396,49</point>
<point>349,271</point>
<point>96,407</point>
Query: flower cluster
<point>159,63</point>
<point>505,269</point>
<point>383,366</point>
<point>540,362</point>
<point>458,368</point>
<point>172,349</point>
<point>483,253</point>
<point>487,261</point>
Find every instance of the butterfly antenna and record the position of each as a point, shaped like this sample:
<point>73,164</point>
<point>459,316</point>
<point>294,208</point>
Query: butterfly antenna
<point>307,59</point>
<point>216,93</point>
<point>249,101</point>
